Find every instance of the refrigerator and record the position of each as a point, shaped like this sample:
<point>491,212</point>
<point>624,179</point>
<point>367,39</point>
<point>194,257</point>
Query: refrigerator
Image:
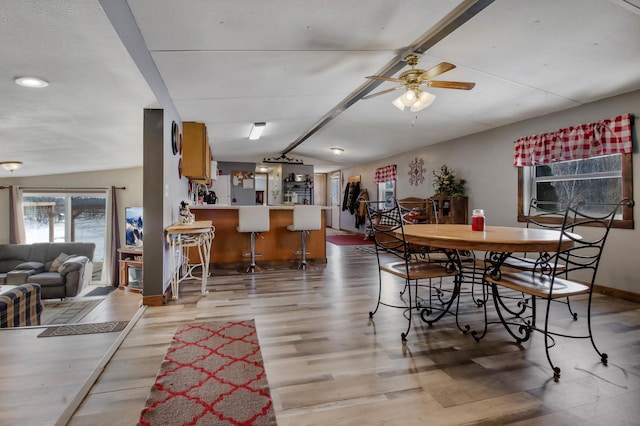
<point>222,187</point>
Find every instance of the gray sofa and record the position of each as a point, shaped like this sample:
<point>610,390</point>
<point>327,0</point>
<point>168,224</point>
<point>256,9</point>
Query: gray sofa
<point>45,264</point>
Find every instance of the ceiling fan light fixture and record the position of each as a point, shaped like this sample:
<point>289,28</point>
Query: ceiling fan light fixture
<point>424,100</point>
<point>409,97</point>
<point>398,103</point>
<point>256,130</point>
<point>10,166</point>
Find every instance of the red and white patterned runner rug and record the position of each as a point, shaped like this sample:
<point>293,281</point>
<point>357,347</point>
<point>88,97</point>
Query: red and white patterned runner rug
<point>212,374</point>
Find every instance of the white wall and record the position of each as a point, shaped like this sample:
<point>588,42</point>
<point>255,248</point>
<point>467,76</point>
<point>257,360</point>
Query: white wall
<point>130,178</point>
<point>485,160</point>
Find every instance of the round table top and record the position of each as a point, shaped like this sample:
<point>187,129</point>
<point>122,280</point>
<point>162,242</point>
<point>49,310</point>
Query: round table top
<point>493,238</point>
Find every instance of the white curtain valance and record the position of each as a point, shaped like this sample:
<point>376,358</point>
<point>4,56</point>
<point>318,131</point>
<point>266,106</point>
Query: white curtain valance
<point>610,136</point>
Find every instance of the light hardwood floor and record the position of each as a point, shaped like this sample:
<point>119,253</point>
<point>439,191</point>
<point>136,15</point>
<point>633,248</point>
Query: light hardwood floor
<point>328,364</point>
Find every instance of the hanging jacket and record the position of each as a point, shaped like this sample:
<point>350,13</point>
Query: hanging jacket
<point>345,199</point>
<point>353,199</point>
<point>361,213</point>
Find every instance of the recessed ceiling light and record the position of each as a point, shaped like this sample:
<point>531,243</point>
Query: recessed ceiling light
<point>337,151</point>
<point>31,81</point>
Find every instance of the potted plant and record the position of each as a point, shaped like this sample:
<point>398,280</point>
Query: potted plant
<point>446,184</point>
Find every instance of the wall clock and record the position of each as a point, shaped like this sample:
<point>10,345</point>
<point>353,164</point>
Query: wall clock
<point>174,137</point>
<point>416,171</point>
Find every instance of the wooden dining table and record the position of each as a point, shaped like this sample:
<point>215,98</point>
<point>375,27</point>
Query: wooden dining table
<point>505,239</point>
<point>498,242</point>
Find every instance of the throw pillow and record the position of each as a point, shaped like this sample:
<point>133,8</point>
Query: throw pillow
<point>58,261</point>
<point>29,265</point>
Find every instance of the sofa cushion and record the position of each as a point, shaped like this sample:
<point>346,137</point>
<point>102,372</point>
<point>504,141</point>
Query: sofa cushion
<point>46,279</point>
<point>12,255</point>
<point>52,250</point>
<point>58,261</point>
<point>29,265</point>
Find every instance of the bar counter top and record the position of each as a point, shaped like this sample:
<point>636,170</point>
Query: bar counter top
<point>276,246</point>
<point>235,207</point>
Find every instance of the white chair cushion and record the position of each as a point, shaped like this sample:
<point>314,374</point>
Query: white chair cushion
<point>306,218</point>
<point>253,219</point>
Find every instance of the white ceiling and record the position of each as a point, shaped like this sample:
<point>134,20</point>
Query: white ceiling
<point>229,63</point>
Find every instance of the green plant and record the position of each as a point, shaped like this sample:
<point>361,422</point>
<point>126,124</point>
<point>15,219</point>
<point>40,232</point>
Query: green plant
<point>445,183</point>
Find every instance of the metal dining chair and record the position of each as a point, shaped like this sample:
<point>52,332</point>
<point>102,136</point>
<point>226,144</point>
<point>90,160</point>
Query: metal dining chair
<point>582,257</point>
<point>395,257</point>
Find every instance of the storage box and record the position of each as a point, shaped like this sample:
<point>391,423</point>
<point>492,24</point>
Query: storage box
<point>135,276</point>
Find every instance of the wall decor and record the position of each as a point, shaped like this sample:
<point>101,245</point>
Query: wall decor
<point>239,176</point>
<point>416,171</point>
<point>174,137</point>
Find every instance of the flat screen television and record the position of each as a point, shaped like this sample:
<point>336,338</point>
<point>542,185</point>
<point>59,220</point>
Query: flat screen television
<point>133,226</point>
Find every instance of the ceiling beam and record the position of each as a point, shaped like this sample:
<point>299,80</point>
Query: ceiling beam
<point>454,20</point>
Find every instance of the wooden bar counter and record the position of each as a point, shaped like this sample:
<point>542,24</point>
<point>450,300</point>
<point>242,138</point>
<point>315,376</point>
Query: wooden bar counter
<point>276,246</point>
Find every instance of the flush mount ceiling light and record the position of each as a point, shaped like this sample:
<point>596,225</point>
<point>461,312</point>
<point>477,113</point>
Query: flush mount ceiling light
<point>337,151</point>
<point>256,130</point>
<point>10,166</point>
<point>31,81</point>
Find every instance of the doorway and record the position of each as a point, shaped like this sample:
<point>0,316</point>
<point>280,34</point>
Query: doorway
<point>336,183</point>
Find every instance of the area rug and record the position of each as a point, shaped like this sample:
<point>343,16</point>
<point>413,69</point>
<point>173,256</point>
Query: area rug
<point>74,329</point>
<point>66,311</point>
<point>212,374</point>
<point>100,291</point>
<point>348,240</point>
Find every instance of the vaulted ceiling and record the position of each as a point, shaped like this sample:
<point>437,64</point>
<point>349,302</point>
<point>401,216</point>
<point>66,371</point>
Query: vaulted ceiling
<point>300,66</point>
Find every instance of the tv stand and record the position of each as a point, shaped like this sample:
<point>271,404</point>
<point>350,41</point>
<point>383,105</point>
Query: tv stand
<point>129,257</point>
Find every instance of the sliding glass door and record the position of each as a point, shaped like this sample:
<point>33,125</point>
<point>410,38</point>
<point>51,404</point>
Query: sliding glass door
<point>68,217</point>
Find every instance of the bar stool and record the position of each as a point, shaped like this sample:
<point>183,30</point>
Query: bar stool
<point>305,219</point>
<point>253,219</point>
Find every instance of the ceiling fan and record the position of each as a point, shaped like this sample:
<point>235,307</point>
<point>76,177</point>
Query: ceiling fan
<point>414,97</point>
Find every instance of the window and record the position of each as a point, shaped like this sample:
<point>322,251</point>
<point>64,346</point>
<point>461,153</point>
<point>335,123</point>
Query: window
<point>68,217</point>
<point>386,190</point>
<point>604,179</point>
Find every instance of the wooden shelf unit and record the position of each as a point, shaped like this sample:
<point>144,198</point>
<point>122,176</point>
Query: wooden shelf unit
<point>128,256</point>
<point>449,209</point>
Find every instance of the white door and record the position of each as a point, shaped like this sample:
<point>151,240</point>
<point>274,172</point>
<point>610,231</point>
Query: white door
<point>335,200</point>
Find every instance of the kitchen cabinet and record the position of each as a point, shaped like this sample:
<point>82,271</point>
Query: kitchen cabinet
<point>196,152</point>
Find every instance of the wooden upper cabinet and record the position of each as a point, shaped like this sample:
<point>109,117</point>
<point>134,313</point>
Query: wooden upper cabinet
<point>196,153</point>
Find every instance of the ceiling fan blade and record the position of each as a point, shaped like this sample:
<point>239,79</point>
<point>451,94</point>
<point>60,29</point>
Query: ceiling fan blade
<point>450,85</point>
<point>382,93</point>
<point>442,67</point>
<point>379,77</point>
